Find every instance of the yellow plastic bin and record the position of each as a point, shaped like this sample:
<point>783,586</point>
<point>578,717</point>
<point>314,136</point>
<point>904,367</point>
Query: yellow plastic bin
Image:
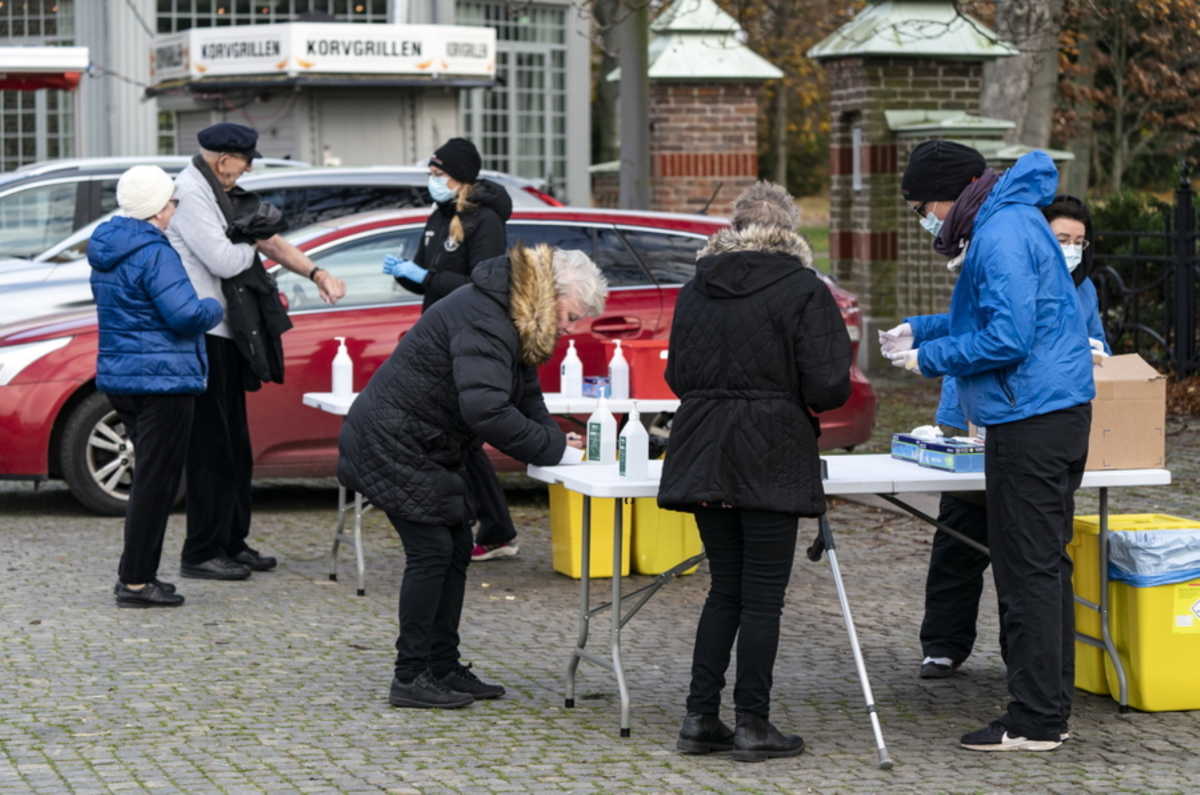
<point>1156,629</point>
<point>662,539</point>
<point>566,534</point>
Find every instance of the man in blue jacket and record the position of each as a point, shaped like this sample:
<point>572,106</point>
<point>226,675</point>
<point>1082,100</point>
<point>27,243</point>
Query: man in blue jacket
<point>1015,341</point>
<point>151,363</point>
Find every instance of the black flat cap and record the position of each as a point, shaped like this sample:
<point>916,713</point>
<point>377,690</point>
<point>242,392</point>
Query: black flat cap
<point>940,170</point>
<point>229,137</point>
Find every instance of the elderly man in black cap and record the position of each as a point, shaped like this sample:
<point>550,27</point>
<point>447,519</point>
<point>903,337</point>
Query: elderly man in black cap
<point>220,459</point>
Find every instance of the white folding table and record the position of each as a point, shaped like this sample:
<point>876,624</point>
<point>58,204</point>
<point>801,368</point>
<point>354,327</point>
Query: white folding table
<point>339,405</point>
<point>881,475</point>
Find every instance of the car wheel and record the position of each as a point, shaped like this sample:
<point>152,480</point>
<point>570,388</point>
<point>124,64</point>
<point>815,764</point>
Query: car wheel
<point>97,456</point>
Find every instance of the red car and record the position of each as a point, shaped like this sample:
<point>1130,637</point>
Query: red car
<point>54,424</point>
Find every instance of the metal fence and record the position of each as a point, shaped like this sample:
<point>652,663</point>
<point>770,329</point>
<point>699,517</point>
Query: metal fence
<point>1147,284</point>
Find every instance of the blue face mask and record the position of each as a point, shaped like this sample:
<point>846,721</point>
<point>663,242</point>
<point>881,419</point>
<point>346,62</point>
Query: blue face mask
<point>931,224</point>
<point>1073,255</point>
<point>440,190</point>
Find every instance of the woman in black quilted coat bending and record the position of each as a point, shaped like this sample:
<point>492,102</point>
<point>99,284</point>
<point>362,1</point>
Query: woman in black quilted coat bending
<point>758,346</point>
<point>465,373</point>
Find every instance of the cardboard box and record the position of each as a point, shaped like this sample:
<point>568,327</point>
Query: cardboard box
<point>1128,415</point>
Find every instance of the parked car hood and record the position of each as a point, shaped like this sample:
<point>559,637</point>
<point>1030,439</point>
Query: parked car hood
<point>114,241</point>
<point>48,326</point>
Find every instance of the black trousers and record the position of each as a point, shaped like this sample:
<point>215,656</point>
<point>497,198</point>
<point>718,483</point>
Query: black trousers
<point>750,557</point>
<point>431,596</point>
<point>155,424</point>
<point>1034,467</point>
<point>220,460</point>
<point>486,500</point>
<point>955,579</point>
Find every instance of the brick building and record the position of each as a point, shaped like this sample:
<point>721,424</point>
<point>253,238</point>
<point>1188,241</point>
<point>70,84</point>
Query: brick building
<point>703,114</point>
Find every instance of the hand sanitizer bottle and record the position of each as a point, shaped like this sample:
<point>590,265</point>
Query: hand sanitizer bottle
<point>601,435</point>
<point>618,374</point>
<point>343,370</point>
<point>633,448</point>
<point>571,373</point>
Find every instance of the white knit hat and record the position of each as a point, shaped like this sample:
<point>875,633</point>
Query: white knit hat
<point>143,191</point>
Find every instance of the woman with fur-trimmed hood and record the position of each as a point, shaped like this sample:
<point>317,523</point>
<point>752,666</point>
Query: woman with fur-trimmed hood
<point>758,347</point>
<point>465,373</point>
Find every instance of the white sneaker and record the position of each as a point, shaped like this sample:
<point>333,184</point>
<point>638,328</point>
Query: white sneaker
<point>995,737</point>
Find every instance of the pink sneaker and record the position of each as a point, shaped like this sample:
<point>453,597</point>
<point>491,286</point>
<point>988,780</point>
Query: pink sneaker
<point>492,551</point>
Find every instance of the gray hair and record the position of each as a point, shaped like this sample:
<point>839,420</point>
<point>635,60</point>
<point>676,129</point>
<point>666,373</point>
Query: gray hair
<point>765,204</point>
<point>577,276</point>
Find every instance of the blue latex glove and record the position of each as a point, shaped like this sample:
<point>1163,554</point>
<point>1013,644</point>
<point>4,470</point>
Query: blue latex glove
<point>404,268</point>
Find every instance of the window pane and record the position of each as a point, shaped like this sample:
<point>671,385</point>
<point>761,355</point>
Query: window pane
<point>670,258</point>
<point>578,238</point>
<point>360,264</point>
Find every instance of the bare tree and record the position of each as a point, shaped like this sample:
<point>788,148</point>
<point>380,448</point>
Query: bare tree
<point>1024,87</point>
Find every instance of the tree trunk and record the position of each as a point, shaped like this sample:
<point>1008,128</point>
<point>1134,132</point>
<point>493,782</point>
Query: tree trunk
<point>1083,142</point>
<point>781,128</point>
<point>634,35</point>
<point>605,147</point>
<point>1022,87</point>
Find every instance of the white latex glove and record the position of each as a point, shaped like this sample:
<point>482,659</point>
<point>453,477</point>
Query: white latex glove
<point>1097,345</point>
<point>1098,357</point>
<point>906,359</point>
<point>895,340</point>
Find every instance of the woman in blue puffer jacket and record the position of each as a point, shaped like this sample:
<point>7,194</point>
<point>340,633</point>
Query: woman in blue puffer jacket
<point>151,363</point>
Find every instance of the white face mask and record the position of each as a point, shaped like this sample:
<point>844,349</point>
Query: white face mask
<point>439,189</point>
<point>1073,255</point>
<point>931,224</point>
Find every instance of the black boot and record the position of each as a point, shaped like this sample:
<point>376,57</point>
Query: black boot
<point>756,739</point>
<point>704,734</point>
<point>425,692</point>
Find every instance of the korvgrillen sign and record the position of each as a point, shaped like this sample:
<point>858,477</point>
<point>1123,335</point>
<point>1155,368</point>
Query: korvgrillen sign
<point>298,48</point>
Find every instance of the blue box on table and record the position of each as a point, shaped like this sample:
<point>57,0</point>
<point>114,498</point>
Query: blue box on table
<point>906,447</point>
<point>952,455</point>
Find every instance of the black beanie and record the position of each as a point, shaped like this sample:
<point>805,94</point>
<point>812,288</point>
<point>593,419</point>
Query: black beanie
<point>940,171</point>
<point>459,158</point>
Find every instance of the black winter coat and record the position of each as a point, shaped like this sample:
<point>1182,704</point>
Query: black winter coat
<point>467,371</point>
<point>757,346</point>
<point>450,263</point>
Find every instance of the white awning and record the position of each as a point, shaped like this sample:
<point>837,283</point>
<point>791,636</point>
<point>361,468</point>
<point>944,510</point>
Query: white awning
<point>33,68</point>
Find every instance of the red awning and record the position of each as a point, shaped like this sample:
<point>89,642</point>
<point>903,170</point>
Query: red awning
<point>66,81</point>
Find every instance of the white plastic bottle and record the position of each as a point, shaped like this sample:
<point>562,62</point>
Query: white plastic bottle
<point>571,373</point>
<point>602,435</point>
<point>343,370</point>
<point>633,448</point>
<point>618,374</point>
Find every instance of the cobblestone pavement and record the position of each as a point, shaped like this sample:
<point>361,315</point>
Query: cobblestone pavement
<point>279,684</point>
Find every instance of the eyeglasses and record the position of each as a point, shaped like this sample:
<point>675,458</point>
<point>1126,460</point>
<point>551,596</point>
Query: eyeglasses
<point>1065,240</point>
<point>174,202</point>
<point>921,208</point>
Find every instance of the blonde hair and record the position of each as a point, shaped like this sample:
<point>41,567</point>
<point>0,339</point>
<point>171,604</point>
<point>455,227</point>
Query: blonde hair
<point>462,204</point>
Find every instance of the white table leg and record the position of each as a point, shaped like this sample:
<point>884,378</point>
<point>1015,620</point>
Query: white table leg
<point>358,544</point>
<point>339,528</point>
<point>583,619</point>
<point>1110,648</point>
<point>617,614</point>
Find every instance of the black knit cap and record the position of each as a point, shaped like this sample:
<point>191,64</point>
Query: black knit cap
<point>459,158</point>
<point>940,171</point>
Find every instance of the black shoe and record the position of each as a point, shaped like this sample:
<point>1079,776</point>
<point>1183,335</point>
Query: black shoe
<point>704,734</point>
<point>221,568</point>
<point>152,594</point>
<point>996,737</point>
<point>462,680</point>
<point>250,558</point>
<point>425,692</point>
<point>936,670</point>
<point>756,739</point>
<point>169,587</point>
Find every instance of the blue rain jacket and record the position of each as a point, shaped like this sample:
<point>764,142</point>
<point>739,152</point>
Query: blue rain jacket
<point>1015,338</point>
<point>151,322</point>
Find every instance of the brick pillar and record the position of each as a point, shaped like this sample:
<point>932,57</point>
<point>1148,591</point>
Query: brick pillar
<point>702,135</point>
<point>871,228</point>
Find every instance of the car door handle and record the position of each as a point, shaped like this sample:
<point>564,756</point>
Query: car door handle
<point>616,325</point>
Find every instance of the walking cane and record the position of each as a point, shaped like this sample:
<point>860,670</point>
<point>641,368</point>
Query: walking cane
<point>824,543</point>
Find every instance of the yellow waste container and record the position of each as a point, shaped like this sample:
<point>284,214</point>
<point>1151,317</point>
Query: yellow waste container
<point>1156,629</point>
<point>662,539</point>
<point>566,534</point>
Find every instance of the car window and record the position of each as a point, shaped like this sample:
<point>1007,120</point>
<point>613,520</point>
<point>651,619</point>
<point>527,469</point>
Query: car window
<point>602,244</point>
<point>108,196</point>
<point>671,258</point>
<point>36,218</point>
<point>306,205</point>
<point>359,263</point>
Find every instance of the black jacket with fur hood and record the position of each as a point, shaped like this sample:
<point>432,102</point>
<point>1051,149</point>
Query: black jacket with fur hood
<point>467,371</point>
<point>757,346</point>
<point>450,262</point>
